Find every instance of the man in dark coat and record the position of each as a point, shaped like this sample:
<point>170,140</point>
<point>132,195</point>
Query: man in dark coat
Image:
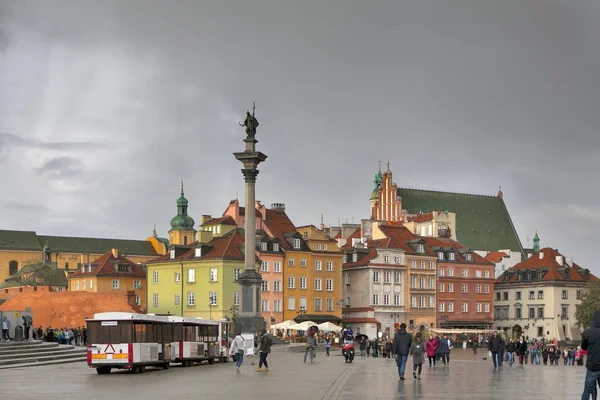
<point>494,348</point>
<point>590,341</point>
<point>402,343</point>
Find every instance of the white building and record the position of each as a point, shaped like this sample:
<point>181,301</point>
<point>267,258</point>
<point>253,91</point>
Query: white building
<point>503,259</point>
<point>538,297</point>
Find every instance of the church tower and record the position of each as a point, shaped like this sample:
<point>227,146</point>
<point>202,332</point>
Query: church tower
<point>386,205</point>
<point>182,230</point>
<point>536,243</point>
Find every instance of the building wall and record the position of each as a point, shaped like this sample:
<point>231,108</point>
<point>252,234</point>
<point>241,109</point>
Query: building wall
<point>419,315</point>
<point>270,296</point>
<point>514,257</point>
<point>471,298</point>
<point>103,284</point>
<point>184,238</point>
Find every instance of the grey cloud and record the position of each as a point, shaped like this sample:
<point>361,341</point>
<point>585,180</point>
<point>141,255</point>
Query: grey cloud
<point>61,168</point>
<point>8,139</point>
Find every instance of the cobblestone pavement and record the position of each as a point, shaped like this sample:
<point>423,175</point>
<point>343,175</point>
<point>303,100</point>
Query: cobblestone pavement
<point>467,377</point>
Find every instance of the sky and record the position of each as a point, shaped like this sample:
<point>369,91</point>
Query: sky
<point>106,106</point>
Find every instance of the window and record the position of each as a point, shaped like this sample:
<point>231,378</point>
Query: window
<point>276,247</point>
<point>486,274</point>
<point>177,277</point>
<point>578,295</point>
<point>13,267</point>
<point>263,246</point>
<point>531,312</point>
<point>540,312</point>
<point>477,289</point>
<point>468,257</point>
<point>277,305</point>
<point>430,230</point>
<point>450,271</point>
<point>329,305</point>
<point>120,268</point>
<point>291,284</point>
<point>421,301</point>
<point>386,259</point>
<point>430,283</point>
<point>213,275</point>
<point>420,248</point>
<point>213,298</point>
<point>191,296</point>
<point>348,279</point>
<point>396,299</point>
<point>441,288</point>
<point>518,312</point>
<point>532,295</point>
<point>413,264</point>
<point>431,265</point>
<point>396,277</point>
<point>91,284</point>
<point>441,307</point>
<point>375,299</point>
<point>486,288</point>
<point>236,298</point>
<point>177,300</point>
<point>155,277</point>
<point>450,307</point>
<point>478,307</point>
<point>264,266</point>
<point>396,260</point>
<point>498,296</point>
<point>505,296</point>
<point>486,307</point>
<point>277,286</point>
<point>76,285</point>
<point>451,256</point>
<point>290,262</point>
<point>345,258</point>
<point>450,288</point>
<point>318,305</point>
<point>329,265</point>
<point>376,276</point>
<point>464,273</point>
<point>413,301</point>
<point>318,247</point>
<point>540,331</point>
<point>440,255</point>
<point>465,288</point>
<point>564,294</point>
<point>264,286</point>
<point>172,254</point>
<point>236,273</point>
<point>303,303</point>
<point>198,252</point>
<point>192,275</point>
<point>517,295</point>
<point>318,284</point>
<point>137,284</point>
<point>565,311</point>
<point>422,264</point>
<point>296,243</point>
<point>115,283</point>
<point>303,262</point>
<point>387,277</point>
<point>302,284</point>
<point>386,299</point>
<point>413,282</point>
<point>264,306</point>
<point>329,285</point>
<point>155,299</point>
<point>354,257</point>
<point>430,302</point>
<point>276,266</point>
<point>291,303</point>
<point>324,247</point>
<point>540,294</point>
<point>441,272</point>
<point>318,265</point>
<point>421,283</point>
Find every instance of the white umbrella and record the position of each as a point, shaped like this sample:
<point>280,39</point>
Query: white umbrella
<point>302,326</point>
<point>329,327</point>
<point>283,325</point>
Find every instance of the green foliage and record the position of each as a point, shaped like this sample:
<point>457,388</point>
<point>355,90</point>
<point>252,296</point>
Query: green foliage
<point>590,302</point>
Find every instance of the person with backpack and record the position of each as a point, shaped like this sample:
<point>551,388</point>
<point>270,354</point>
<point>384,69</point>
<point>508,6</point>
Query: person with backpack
<point>237,350</point>
<point>264,348</point>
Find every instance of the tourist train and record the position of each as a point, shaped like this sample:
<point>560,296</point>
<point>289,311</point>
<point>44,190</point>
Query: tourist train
<point>119,340</point>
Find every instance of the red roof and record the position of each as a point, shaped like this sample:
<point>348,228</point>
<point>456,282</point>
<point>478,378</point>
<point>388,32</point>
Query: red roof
<point>549,264</point>
<point>397,237</point>
<point>421,217</point>
<point>355,235</point>
<point>227,220</point>
<point>444,242</point>
<point>278,224</point>
<point>106,265</point>
<point>496,256</point>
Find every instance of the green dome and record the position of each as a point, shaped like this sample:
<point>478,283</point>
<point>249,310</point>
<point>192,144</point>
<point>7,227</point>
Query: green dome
<point>182,221</point>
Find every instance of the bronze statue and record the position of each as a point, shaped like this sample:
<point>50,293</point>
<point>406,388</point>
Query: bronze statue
<point>251,123</point>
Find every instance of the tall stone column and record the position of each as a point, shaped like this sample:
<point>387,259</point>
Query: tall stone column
<point>249,319</point>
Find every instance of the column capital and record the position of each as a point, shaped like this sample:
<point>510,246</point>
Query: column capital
<point>250,174</point>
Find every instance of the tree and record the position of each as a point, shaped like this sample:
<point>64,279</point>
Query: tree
<point>590,302</point>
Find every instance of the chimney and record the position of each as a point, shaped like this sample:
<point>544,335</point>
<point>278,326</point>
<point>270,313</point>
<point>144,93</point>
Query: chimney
<point>560,260</point>
<point>205,218</point>
<point>570,261</point>
<point>115,253</point>
<point>541,253</point>
<point>85,259</point>
<point>257,204</point>
<point>278,207</point>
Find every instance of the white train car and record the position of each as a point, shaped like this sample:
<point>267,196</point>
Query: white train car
<point>119,340</point>
<point>196,340</point>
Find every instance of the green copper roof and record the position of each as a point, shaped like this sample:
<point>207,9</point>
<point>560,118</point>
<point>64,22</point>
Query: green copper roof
<point>68,244</point>
<point>37,274</point>
<point>19,240</point>
<point>482,222</point>
<point>182,222</point>
<point>536,238</point>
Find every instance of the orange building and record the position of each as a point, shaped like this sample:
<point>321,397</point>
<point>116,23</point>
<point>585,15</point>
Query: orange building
<point>112,273</point>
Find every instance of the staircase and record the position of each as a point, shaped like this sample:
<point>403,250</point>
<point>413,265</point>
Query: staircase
<point>34,353</point>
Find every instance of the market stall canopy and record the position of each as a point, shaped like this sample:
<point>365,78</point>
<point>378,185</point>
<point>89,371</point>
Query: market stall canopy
<point>303,326</point>
<point>283,325</point>
<point>458,331</point>
<point>329,327</point>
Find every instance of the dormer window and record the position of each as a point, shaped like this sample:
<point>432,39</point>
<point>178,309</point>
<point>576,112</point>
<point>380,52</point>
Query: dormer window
<point>275,247</point>
<point>420,248</point>
<point>263,246</point>
<point>468,257</point>
<point>172,255</point>
<point>319,247</point>
<point>345,259</point>
<point>451,256</point>
<point>198,252</point>
<point>354,257</point>
<point>296,243</point>
<point>441,255</point>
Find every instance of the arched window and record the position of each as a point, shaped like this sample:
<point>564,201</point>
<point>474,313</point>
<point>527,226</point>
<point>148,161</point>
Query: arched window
<point>185,240</point>
<point>13,267</point>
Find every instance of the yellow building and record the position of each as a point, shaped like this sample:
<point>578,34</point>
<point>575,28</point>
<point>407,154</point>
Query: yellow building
<point>198,280</point>
<point>112,273</point>
<point>19,248</point>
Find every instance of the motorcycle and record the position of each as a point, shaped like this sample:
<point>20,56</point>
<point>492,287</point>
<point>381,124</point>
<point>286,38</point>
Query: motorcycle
<point>348,352</point>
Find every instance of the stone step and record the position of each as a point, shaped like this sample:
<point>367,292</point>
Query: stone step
<point>29,348</point>
<point>35,358</point>
<point>13,343</point>
<point>65,360</point>
<point>42,353</point>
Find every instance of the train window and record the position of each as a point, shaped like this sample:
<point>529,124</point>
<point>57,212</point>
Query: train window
<point>139,332</point>
<point>213,333</point>
<point>109,334</point>
<point>177,332</point>
<point>167,333</point>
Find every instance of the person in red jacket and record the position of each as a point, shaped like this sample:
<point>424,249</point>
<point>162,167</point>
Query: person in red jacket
<point>431,349</point>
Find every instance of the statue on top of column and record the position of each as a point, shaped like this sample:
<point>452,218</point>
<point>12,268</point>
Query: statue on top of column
<point>251,123</point>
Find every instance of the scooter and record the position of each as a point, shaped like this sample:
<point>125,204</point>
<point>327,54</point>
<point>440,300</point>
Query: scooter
<point>348,351</point>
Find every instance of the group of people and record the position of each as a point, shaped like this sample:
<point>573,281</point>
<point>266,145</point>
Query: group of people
<point>261,343</point>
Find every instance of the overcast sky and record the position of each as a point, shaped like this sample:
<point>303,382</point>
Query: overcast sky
<point>106,105</point>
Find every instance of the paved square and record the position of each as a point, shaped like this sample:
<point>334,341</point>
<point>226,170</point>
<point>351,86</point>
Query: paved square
<point>290,379</point>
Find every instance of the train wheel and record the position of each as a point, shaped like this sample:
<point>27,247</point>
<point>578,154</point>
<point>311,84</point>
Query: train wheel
<point>166,365</point>
<point>211,361</point>
<point>103,371</point>
<point>136,369</point>
<point>142,369</point>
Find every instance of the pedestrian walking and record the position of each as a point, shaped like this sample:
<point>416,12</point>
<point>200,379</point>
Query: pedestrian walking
<point>417,350</point>
<point>590,342</point>
<point>327,345</point>
<point>264,348</point>
<point>431,348</point>
<point>402,343</point>
<point>237,351</point>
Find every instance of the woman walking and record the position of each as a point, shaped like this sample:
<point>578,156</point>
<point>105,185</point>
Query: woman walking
<point>237,351</point>
<point>431,348</point>
<point>417,350</point>
<point>264,348</point>
<point>521,350</point>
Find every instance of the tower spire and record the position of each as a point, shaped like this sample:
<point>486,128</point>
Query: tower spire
<point>182,186</point>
